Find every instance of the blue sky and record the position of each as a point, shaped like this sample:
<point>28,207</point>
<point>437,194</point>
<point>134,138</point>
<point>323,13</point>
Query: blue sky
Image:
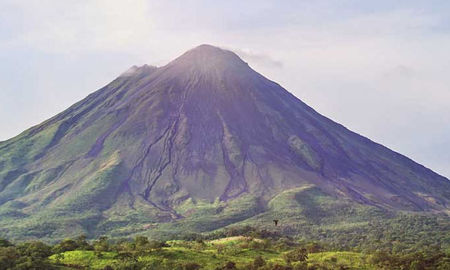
<point>378,67</point>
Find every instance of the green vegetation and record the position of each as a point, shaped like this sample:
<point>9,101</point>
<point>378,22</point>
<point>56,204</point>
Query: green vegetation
<point>237,248</point>
<point>305,213</point>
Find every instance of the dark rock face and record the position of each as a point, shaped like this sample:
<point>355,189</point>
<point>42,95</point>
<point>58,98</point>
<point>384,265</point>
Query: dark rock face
<point>204,127</point>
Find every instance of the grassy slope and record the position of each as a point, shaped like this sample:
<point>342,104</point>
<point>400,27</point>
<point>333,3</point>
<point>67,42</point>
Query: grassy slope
<point>312,215</point>
<point>304,212</point>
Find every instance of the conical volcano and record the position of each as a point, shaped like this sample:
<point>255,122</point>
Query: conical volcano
<point>202,135</point>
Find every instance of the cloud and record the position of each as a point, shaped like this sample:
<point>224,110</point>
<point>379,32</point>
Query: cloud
<point>257,58</point>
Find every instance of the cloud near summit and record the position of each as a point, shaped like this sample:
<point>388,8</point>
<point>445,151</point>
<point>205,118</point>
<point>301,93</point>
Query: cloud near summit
<point>257,58</point>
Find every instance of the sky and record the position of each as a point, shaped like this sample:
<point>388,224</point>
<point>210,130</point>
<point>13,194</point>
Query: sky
<point>380,68</point>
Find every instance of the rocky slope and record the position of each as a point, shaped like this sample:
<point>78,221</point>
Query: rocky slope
<point>205,128</point>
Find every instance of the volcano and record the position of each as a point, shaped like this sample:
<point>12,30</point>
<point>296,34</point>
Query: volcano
<point>204,135</point>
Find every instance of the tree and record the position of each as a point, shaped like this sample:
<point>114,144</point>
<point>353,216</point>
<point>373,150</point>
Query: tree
<point>140,241</point>
<point>5,243</point>
<point>65,245</point>
<point>101,244</point>
<point>141,244</point>
<point>266,244</point>
<point>8,257</point>
<point>230,266</point>
<point>33,255</point>
<point>35,249</point>
<point>296,255</point>
<point>153,244</point>
<point>416,265</point>
<point>281,267</point>
<point>82,243</point>
<point>123,245</point>
<point>191,266</point>
<point>259,262</point>
<point>59,257</point>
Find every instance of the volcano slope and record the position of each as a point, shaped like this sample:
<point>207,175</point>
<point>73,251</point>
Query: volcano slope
<point>199,144</point>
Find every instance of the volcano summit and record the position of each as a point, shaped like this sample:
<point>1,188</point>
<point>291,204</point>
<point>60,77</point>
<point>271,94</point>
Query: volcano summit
<point>198,144</point>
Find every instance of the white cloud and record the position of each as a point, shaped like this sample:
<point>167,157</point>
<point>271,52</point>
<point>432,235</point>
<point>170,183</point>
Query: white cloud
<point>257,58</point>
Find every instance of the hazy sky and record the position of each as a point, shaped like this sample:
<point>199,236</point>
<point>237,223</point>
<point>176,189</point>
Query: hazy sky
<point>381,68</point>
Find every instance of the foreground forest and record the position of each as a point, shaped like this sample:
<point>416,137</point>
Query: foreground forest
<point>237,248</point>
